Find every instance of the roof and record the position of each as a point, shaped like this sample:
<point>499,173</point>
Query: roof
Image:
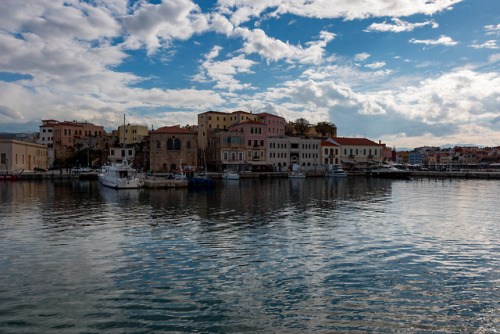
<point>265,114</point>
<point>343,141</point>
<point>327,143</point>
<point>214,112</point>
<point>173,130</point>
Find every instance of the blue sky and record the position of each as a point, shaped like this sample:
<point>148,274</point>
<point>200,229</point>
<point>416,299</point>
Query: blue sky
<point>407,72</point>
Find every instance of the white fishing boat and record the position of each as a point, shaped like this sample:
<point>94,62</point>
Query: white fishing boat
<point>230,175</point>
<point>388,171</point>
<point>120,176</point>
<point>336,172</point>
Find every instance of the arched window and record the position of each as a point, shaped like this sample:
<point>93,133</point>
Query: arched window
<point>170,144</point>
<point>177,145</point>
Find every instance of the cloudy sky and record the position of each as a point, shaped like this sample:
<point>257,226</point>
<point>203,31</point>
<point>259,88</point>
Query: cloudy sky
<point>407,72</point>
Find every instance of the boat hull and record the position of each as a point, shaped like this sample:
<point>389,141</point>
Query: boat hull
<point>120,183</point>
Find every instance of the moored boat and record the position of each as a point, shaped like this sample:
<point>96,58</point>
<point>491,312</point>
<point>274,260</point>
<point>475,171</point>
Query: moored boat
<point>120,176</point>
<point>230,175</point>
<point>336,171</point>
<point>388,171</point>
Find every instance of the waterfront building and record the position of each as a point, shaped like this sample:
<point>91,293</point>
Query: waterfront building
<point>132,134</point>
<point>358,153</point>
<point>119,154</point>
<point>230,152</point>
<point>61,137</point>
<point>18,155</point>
<point>172,148</point>
<point>254,134</point>
<point>330,153</point>
<point>275,125</point>
<point>210,122</point>
<point>283,152</point>
<point>415,158</point>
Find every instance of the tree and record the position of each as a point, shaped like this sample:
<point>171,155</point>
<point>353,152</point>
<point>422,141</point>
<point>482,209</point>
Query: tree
<point>301,125</point>
<point>326,129</point>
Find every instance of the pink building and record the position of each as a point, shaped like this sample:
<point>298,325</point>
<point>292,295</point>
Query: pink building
<point>275,125</point>
<point>255,139</point>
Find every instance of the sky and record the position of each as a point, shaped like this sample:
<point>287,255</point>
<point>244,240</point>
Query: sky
<point>407,72</point>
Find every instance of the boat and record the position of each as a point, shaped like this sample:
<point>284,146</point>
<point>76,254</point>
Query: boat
<point>388,171</point>
<point>296,172</point>
<point>120,176</point>
<point>8,177</point>
<point>200,182</point>
<point>230,175</point>
<point>336,171</point>
<point>296,175</point>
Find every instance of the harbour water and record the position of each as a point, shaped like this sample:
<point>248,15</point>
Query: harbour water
<point>272,256</point>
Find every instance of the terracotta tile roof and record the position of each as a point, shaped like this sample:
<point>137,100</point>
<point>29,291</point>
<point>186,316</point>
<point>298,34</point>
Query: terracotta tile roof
<point>354,141</point>
<point>174,130</point>
<point>327,143</point>
<point>264,114</point>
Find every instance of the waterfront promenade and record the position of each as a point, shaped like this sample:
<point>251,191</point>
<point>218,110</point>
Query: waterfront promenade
<point>160,180</point>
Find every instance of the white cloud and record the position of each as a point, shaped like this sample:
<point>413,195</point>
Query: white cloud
<point>491,44</point>
<point>375,65</point>
<point>256,41</point>
<point>156,25</point>
<point>399,26</point>
<point>242,10</point>
<point>66,50</point>
<point>492,29</point>
<point>361,56</point>
<point>443,40</point>
<point>223,72</point>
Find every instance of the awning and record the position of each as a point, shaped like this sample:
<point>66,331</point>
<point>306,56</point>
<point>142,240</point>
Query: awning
<point>258,163</point>
<point>349,161</point>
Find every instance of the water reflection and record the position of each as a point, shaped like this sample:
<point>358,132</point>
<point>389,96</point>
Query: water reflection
<point>280,255</point>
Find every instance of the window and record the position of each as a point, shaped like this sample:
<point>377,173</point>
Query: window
<point>326,151</point>
<point>112,152</point>
<point>225,156</point>
<point>158,144</point>
<point>262,154</point>
<point>170,144</point>
<point>240,156</point>
<point>43,130</point>
<point>188,144</point>
<point>345,151</point>
<point>262,143</point>
<point>129,153</point>
<point>3,159</point>
<point>249,142</point>
<point>123,153</point>
<point>249,154</point>
<point>177,144</point>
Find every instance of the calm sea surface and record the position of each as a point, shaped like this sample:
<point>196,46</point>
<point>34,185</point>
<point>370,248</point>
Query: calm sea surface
<point>271,256</point>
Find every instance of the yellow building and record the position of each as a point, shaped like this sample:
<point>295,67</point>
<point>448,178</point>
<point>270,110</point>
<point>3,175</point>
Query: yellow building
<point>132,134</point>
<point>211,121</point>
<point>17,155</point>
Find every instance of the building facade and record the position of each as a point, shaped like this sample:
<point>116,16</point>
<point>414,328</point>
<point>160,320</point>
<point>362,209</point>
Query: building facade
<point>18,155</point>
<point>283,152</point>
<point>61,137</point>
<point>172,148</point>
<point>330,153</point>
<point>132,134</point>
<point>358,153</point>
